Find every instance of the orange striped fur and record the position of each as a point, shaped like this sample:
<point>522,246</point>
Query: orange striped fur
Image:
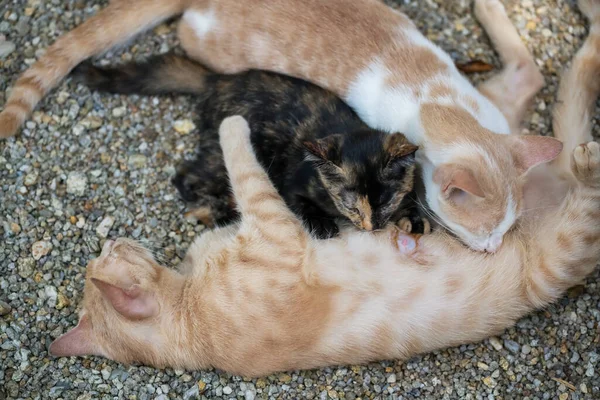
<point>263,296</point>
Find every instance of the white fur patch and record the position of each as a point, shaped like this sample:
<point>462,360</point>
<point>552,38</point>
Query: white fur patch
<point>201,22</point>
<point>383,107</point>
<point>510,216</point>
<point>396,109</point>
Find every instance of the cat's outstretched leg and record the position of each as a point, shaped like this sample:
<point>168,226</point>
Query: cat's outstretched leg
<point>259,203</point>
<point>512,89</point>
<point>579,88</point>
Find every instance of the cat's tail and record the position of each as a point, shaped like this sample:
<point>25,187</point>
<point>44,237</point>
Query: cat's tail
<point>158,75</point>
<point>578,90</point>
<point>115,24</point>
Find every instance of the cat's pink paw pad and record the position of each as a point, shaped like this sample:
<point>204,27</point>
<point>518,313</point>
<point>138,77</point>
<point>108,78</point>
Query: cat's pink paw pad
<point>406,244</point>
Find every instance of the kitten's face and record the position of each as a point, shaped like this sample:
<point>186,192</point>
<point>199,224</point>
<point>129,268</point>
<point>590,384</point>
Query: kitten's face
<point>120,317</point>
<point>366,173</point>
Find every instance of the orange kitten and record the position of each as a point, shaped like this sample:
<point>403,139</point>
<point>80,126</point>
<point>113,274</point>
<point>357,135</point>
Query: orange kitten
<point>262,296</point>
<point>378,62</point>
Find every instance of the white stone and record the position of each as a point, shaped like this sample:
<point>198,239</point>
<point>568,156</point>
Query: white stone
<point>40,249</point>
<point>118,112</point>
<point>76,183</point>
<point>184,126</point>
<point>105,226</point>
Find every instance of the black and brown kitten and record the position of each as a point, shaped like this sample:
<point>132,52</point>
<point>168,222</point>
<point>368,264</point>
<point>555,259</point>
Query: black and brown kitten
<point>323,159</point>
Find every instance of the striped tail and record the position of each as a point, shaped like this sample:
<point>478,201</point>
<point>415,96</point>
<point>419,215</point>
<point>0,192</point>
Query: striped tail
<point>117,23</point>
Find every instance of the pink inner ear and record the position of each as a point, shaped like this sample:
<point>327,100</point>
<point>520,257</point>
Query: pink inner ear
<point>77,342</point>
<point>452,177</point>
<point>132,303</point>
<point>530,150</point>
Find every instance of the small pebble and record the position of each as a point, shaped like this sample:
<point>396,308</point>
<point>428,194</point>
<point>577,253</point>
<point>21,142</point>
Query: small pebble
<point>512,346</point>
<point>77,183</point>
<point>184,126</point>
<point>4,308</point>
<point>119,112</point>
<point>137,160</point>
<point>104,227</point>
<point>6,48</point>
<point>496,344</point>
<point>40,249</point>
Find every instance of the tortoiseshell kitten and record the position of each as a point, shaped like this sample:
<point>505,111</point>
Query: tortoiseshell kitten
<point>323,159</point>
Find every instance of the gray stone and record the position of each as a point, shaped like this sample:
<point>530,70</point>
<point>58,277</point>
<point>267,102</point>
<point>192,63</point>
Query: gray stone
<point>77,183</point>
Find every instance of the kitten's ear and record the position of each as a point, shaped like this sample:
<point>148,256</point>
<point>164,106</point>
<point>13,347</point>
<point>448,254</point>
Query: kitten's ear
<point>451,177</point>
<point>133,303</point>
<point>79,341</point>
<point>326,149</point>
<point>397,146</point>
<point>531,150</point>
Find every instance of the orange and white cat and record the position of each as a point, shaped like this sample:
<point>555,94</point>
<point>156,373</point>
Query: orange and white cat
<point>377,61</point>
<point>263,296</point>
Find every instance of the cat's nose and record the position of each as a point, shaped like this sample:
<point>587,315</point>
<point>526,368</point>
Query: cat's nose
<point>494,243</point>
<point>366,224</point>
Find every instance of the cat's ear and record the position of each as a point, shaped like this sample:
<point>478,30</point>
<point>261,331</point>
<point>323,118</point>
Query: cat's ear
<point>531,150</point>
<point>133,302</point>
<point>397,146</point>
<point>79,341</point>
<point>326,149</point>
<point>456,180</point>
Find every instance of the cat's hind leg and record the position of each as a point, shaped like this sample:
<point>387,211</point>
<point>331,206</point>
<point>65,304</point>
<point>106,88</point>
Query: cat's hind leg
<point>578,90</point>
<point>513,88</point>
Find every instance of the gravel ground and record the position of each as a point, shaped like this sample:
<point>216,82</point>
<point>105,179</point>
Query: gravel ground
<point>60,199</point>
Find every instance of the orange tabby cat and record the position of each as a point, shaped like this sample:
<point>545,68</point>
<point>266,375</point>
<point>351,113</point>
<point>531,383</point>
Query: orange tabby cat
<point>374,58</point>
<point>263,296</point>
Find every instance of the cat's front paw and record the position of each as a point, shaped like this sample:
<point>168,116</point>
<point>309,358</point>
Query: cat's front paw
<point>586,163</point>
<point>405,243</point>
<point>322,228</point>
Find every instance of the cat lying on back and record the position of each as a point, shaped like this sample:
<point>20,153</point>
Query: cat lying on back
<point>371,56</point>
<point>325,162</point>
<point>264,296</point>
